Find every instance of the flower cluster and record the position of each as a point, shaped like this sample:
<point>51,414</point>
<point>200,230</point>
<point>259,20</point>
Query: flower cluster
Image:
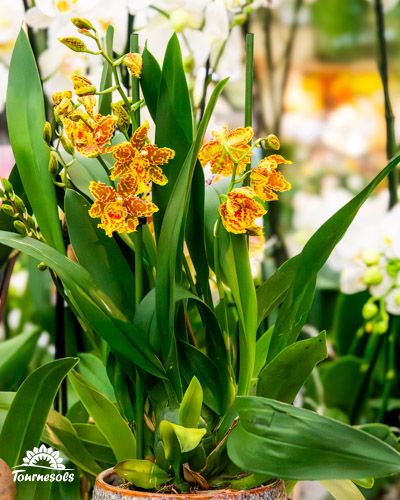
<point>229,154</point>
<point>137,162</point>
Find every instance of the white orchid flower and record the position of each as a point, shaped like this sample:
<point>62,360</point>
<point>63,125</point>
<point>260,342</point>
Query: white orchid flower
<point>392,301</point>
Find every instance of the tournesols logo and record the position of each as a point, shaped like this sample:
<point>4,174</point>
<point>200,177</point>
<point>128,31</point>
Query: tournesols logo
<point>46,466</point>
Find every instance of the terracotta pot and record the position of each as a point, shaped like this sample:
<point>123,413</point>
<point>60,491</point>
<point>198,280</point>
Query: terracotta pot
<point>103,490</point>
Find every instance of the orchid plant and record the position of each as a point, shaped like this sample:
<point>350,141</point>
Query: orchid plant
<point>192,370</point>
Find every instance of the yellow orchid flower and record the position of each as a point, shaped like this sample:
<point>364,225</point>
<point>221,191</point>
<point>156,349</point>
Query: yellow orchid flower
<point>119,210</point>
<point>134,62</point>
<point>240,210</point>
<point>142,159</point>
<point>229,147</point>
<point>267,181</point>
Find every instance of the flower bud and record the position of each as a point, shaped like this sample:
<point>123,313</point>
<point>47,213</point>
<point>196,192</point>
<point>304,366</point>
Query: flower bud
<point>53,165</point>
<point>83,86</point>
<point>20,227</point>
<point>189,63</point>
<point>370,257</point>
<point>134,62</point>
<point>7,210</point>
<point>239,20</point>
<point>47,133</point>
<point>120,112</point>
<point>272,142</point>
<point>373,276</point>
<point>380,327</point>
<point>65,108</point>
<point>59,96</point>
<point>82,23</point>
<point>19,205</point>
<point>8,189</point>
<point>30,222</point>
<point>42,266</point>
<point>67,144</point>
<point>369,310</point>
<point>75,44</point>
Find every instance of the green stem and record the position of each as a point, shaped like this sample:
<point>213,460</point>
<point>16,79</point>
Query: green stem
<point>382,61</point>
<point>135,91</point>
<point>220,286</point>
<point>139,386</point>
<point>248,110</point>
<point>390,375</point>
<point>371,355</point>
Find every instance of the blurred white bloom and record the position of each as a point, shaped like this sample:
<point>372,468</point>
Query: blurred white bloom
<point>46,12</point>
<point>392,302</point>
<point>387,4</point>
<point>11,17</point>
<point>351,278</point>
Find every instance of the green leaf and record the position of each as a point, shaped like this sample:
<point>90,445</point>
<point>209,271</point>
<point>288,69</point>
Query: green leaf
<point>284,376</point>
<point>188,439</point>
<point>60,434</point>
<point>170,237</point>
<point>174,127</point>
<point>107,418</point>
<point>91,304</point>
<point>235,265</point>
<point>150,82</point>
<point>33,400</point>
<point>25,120</point>
<point>262,347</point>
<point>343,490</point>
<point>142,473</point>
<point>95,443</point>
<point>190,409</point>
<point>106,75</point>
<point>93,371</point>
<point>99,254</point>
<point>293,443</point>
<point>15,355</point>
<point>6,398</point>
<point>83,171</point>
<point>294,310</point>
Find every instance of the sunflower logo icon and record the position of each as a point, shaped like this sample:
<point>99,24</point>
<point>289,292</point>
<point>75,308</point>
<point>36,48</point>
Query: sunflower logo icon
<point>37,456</point>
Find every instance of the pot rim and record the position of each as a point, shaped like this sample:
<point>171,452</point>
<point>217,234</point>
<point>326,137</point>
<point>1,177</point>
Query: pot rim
<point>102,484</point>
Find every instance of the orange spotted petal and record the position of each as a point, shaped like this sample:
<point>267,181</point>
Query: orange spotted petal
<point>238,136</point>
<point>102,192</point>
<point>157,176</point>
<point>157,156</point>
<point>113,218</point>
<point>128,184</point>
<point>140,208</point>
<point>104,129</point>
<point>131,223</point>
<point>139,136</point>
<point>123,152</point>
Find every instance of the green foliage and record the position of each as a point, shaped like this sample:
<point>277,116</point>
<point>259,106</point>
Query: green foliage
<point>308,444</point>
<point>25,120</point>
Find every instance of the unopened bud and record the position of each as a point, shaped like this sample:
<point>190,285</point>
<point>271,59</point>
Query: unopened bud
<point>75,44</point>
<point>189,64</point>
<point>239,20</point>
<point>67,144</point>
<point>8,189</point>
<point>373,276</point>
<point>134,63</point>
<point>42,266</point>
<point>83,86</point>
<point>65,108</point>
<point>272,142</point>
<point>30,222</point>
<point>20,205</point>
<point>53,165</point>
<point>47,133</point>
<point>122,115</point>
<point>7,210</point>
<point>59,96</point>
<point>380,327</point>
<point>82,23</point>
<point>20,227</point>
<point>369,310</point>
<point>370,257</point>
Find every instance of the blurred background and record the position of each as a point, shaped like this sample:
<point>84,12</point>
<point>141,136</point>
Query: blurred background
<point>318,87</point>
